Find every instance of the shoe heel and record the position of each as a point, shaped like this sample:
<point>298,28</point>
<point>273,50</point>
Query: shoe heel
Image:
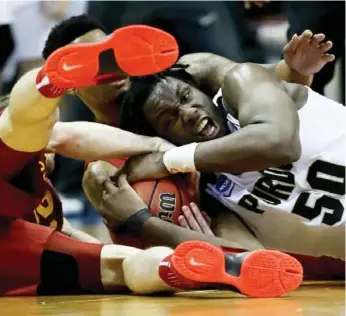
<point>142,50</point>
<point>268,273</point>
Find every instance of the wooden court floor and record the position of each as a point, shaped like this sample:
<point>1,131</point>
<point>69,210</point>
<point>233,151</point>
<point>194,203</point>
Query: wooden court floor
<point>310,300</point>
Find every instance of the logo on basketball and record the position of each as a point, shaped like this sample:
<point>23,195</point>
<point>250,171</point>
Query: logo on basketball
<point>167,206</point>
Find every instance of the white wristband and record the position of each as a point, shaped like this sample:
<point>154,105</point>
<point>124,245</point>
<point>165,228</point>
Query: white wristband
<point>180,159</point>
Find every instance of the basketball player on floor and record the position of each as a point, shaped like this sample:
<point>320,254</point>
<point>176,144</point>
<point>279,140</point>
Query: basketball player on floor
<point>101,98</point>
<point>37,258</point>
<point>257,122</point>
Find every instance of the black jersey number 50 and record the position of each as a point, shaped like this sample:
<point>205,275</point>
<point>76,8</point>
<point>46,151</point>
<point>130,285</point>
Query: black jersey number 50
<point>329,178</point>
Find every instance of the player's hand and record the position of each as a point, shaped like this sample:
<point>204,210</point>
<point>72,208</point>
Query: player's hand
<point>259,4</point>
<point>119,202</point>
<point>144,167</point>
<point>307,54</point>
<point>193,218</point>
<point>192,180</point>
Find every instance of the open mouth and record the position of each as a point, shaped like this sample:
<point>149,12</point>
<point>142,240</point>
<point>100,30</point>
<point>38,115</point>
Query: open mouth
<point>206,128</point>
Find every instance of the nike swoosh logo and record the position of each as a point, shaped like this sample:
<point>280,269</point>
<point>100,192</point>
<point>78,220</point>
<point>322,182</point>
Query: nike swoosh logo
<point>195,263</point>
<point>66,67</point>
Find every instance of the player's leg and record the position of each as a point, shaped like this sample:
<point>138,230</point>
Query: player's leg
<point>141,271</point>
<point>135,50</point>
<point>259,273</point>
<point>26,123</point>
<point>41,261</point>
<point>195,265</point>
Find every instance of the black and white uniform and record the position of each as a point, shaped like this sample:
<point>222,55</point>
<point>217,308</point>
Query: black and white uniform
<point>298,208</point>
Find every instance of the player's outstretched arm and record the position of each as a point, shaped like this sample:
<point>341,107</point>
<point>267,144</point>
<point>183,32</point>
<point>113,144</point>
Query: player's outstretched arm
<point>27,122</point>
<point>93,141</point>
<point>269,120</point>
<point>304,55</point>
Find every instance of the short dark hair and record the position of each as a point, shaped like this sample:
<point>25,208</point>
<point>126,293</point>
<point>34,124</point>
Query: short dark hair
<point>131,110</point>
<point>68,30</point>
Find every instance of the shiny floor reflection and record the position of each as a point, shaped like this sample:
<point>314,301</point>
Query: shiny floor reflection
<point>310,300</point>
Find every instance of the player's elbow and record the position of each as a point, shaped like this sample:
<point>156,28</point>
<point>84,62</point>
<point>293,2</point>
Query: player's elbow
<point>284,149</point>
<point>88,177</point>
<point>92,181</point>
<point>94,175</point>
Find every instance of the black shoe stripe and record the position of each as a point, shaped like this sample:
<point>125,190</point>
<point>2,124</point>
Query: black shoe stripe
<point>234,262</point>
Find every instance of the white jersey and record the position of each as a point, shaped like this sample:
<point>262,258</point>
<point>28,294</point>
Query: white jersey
<point>299,207</point>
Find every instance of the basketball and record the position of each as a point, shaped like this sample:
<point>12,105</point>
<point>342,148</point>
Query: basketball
<point>164,197</point>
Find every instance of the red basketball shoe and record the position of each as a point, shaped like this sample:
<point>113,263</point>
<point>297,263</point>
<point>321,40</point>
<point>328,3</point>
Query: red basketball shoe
<point>260,273</point>
<point>135,50</point>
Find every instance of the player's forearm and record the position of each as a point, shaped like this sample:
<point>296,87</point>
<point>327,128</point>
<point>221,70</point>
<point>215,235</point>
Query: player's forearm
<point>229,227</point>
<point>93,141</point>
<point>285,73</point>
<point>254,147</point>
<point>157,232</point>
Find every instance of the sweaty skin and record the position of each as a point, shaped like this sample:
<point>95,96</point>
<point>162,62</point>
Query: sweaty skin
<point>183,112</point>
<point>175,108</point>
<point>269,135</point>
<point>155,230</point>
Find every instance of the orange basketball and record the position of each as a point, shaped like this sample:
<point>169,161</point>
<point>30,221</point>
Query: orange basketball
<point>164,197</point>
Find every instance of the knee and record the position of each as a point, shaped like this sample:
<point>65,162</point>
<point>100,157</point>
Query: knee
<point>93,173</point>
<point>141,271</point>
<point>93,179</point>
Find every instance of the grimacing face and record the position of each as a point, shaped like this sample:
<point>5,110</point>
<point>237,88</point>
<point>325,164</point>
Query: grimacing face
<point>182,114</point>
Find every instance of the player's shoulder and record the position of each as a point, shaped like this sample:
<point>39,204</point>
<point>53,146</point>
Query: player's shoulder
<point>237,83</point>
<point>244,74</point>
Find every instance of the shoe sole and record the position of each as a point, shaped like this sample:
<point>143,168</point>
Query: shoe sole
<point>136,50</point>
<point>262,273</point>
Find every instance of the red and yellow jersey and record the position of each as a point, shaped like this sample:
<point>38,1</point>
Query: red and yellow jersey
<point>26,192</point>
